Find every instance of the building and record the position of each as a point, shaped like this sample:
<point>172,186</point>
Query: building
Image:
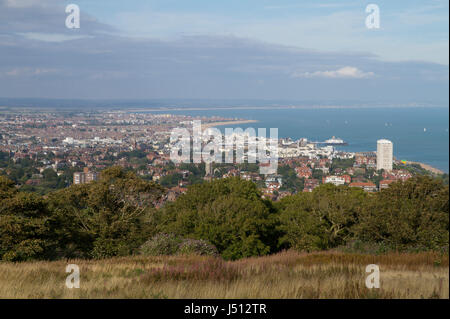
<point>84,177</point>
<point>386,183</point>
<point>175,192</point>
<point>78,178</point>
<point>365,158</point>
<point>336,180</point>
<point>303,172</point>
<point>90,177</point>
<point>368,187</point>
<point>273,186</point>
<point>310,184</point>
<point>400,174</point>
<point>274,179</point>
<point>347,178</point>
<point>384,155</point>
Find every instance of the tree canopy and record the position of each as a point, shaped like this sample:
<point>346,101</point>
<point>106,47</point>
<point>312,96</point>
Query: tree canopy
<point>116,215</point>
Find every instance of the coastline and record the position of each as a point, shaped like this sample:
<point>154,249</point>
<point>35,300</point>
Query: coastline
<point>214,124</point>
<point>280,107</point>
<point>427,167</point>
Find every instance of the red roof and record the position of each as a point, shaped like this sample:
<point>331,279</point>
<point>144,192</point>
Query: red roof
<point>360,184</point>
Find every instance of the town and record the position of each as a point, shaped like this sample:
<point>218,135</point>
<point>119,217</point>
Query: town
<point>47,150</point>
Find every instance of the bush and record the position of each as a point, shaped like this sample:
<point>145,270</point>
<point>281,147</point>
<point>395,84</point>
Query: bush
<point>359,247</point>
<point>169,244</point>
<point>161,244</point>
<point>197,247</point>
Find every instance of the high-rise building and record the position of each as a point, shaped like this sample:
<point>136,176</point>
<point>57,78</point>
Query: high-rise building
<point>84,177</point>
<point>90,177</point>
<point>385,153</point>
<point>78,178</point>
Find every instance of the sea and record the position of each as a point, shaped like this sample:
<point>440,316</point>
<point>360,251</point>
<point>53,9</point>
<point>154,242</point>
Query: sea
<point>419,134</point>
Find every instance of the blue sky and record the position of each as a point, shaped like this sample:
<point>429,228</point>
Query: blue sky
<point>282,49</point>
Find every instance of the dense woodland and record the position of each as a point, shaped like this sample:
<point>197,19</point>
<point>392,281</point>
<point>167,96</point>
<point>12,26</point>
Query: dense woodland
<point>116,216</point>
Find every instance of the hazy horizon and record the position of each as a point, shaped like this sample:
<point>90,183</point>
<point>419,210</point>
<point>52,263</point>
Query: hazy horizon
<point>209,103</point>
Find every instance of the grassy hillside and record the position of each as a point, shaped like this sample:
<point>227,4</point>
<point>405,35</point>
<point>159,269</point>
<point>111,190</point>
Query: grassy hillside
<point>284,275</point>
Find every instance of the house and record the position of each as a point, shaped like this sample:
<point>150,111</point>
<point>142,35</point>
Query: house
<point>246,176</point>
<point>335,180</point>
<point>268,195</point>
<point>175,192</point>
<point>324,170</point>
<point>324,161</point>
<point>347,179</point>
<point>368,159</point>
<point>399,174</point>
<point>273,186</point>
<point>366,186</point>
<point>386,183</point>
<point>350,170</point>
<point>274,179</point>
<point>310,184</point>
<point>303,172</point>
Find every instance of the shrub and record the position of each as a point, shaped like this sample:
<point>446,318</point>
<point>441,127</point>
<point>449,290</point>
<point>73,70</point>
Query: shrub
<point>169,244</point>
<point>197,247</point>
<point>359,247</point>
<point>104,248</point>
<point>161,244</point>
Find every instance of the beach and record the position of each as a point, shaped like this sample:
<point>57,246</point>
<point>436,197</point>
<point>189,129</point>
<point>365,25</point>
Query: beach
<point>214,124</point>
<point>426,167</point>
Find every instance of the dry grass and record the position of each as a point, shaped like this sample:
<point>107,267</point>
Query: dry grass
<point>284,275</point>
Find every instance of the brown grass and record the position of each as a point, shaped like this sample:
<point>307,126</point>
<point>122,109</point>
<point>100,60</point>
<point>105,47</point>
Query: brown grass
<point>284,275</point>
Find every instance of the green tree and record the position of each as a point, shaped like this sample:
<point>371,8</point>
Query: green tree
<point>171,180</point>
<point>291,182</point>
<point>321,219</point>
<point>109,217</point>
<point>24,230</point>
<point>407,214</point>
<point>229,213</point>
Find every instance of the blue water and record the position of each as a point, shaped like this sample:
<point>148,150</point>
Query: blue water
<point>361,128</point>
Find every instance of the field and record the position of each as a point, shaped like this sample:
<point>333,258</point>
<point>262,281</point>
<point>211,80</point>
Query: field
<point>284,275</point>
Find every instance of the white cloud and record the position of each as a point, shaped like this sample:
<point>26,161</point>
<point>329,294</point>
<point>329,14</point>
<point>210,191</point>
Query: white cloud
<point>29,71</point>
<point>22,3</point>
<point>346,72</point>
<point>310,5</point>
<point>52,37</point>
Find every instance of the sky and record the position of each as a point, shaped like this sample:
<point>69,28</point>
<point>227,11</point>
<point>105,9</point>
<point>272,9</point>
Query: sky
<point>236,49</point>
